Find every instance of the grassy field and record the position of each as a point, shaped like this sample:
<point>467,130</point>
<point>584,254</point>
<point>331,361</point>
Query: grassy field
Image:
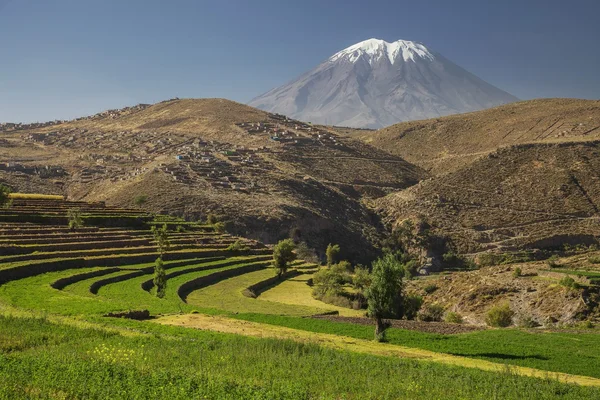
<point>227,295</point>
<point>254,348</point>
<point>574,353</point>
<point>295,291</point>
<point>39,359</point>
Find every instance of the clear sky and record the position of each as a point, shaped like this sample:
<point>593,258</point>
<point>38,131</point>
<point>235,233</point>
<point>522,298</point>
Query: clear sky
<point>68,58</point>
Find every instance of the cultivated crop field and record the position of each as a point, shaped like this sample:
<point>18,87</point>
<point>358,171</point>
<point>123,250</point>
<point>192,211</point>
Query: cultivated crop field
<point>225,328</point>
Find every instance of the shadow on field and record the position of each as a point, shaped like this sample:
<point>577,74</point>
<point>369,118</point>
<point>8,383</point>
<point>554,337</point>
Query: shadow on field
<point>502,356</point>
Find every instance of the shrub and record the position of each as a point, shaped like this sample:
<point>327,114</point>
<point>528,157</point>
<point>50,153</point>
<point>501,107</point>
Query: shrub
<point>306,253</point>
<point>411,268</point>
<point>455,261</point>
<point>332,251</point>
<point>453,318</point>
<point>237,246</point>
<point>219,227</point>
<point>212,219</point>
<point>431,313</point>
<point>432,287</point>
<point>499,316</point>
<point>594,260</point>
<point>412,305</point>
<point>553,262</point>
<point>74,217</point>
<point>180,228</point>
<point>525,321</point>
<point>570,283</point>
<point>283,254</point>
<point>140,200</point>
<point>5,200</point>
<point>517,272</point>
<point>586,324</point>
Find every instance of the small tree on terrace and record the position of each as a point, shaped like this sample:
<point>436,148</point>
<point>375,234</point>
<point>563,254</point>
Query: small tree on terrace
<point>160,278</point>
<point>384,295</point>
<point>161,237</point>
<point>75,220</point>
<point>361,280</point>
<point>283,254</point>
<point>332,252</point>
<point>4,196</point>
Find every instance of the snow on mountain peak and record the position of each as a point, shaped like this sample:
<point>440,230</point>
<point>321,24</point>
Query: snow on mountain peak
<point>377,48</point>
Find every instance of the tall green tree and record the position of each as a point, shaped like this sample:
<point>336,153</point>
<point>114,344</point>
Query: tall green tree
<point>384,295</point>
<point>161,237</point>
<point>160,278</point>
<point>332,252</point>
<point>283,254</point>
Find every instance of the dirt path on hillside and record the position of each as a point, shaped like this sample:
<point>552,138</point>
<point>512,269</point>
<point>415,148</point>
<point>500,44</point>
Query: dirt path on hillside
<point>254,329</point>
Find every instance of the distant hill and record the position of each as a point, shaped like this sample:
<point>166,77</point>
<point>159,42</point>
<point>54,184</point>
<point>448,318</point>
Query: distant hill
<point>267,176</point>
<point>374,83</point>
<point>443,145</point>
<point>525,196</point>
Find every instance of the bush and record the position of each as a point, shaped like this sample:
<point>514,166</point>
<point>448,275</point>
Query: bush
<point>452,260</point>
<point>140,200</point>
<point>570,283</point>
<point>594,260</point>
<point>160,278</point>
<point>306,253</point>
<point>212,219</point>
<point>180,228</point>
<point>586,325</point>
<point>237,246</point>
<point>332,252</point>
<point>553,262</point>
<point>432,287</point>
<point>453,318</point>
<point>499,316</point>
<point>411,269</point>
<point>525,321</point>
<point>5,200</point>
<point>75,220</point>
<point>412,305</point>
<point>431,313</point>
<point>219,227</point>
<point>517,272</point>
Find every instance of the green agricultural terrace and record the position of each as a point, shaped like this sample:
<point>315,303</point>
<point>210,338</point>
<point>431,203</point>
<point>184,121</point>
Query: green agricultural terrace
<point>80,318</point>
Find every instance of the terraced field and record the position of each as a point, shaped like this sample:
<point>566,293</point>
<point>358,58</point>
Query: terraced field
<point>99,270</point>
<point>74,278</point>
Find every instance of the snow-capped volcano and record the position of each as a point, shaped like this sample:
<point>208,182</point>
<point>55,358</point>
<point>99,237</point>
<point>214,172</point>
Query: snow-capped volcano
<point>374,83</point>
<point>375,49</point>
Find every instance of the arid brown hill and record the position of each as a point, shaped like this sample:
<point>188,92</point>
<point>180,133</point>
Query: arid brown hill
<point>264,173</point>
<point>443,145</point>
<point>531,195</point>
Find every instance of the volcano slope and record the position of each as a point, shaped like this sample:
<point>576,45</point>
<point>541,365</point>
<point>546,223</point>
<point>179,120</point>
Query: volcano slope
<point>263,174</point>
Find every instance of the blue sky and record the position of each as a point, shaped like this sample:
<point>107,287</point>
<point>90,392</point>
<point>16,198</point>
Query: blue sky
<point>67,58</point>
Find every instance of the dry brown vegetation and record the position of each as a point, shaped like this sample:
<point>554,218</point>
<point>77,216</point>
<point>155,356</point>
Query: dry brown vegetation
<point>445,144</point>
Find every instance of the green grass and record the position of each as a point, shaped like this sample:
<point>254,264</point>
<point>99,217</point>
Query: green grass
<point>39,359</point>
<point>35,293</point>
<point>574,353</point>
<point>227,295</point>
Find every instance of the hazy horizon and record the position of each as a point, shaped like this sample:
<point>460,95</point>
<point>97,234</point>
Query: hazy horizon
<point>76,58</point>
